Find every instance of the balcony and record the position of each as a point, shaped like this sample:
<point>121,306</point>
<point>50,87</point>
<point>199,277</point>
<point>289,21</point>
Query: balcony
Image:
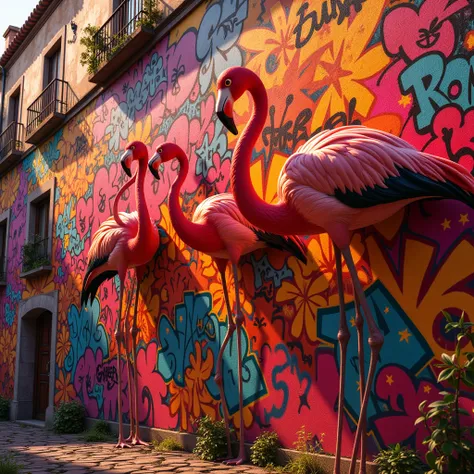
<point>36,257</point>
<point>11,145</point>
<point>48,111</point>
<point>3,270</point>
<point>130,27</point>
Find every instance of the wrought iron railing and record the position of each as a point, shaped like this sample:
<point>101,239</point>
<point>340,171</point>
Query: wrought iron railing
<point>57,97</point>
<point>125,19</point>
<point>3,268</point>
<point>36,253</point>
<point>12,139</point>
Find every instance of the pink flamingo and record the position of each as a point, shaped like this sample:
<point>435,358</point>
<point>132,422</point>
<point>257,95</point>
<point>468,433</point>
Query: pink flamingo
<point>126,240</point>
<point>339,181</point>
<point>219,230</point>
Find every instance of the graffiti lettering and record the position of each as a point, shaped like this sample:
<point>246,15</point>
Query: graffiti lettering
<point>435,83</point>
<point>330,10</point>
<point>340,118</point>
<point>138,95</point>
<point>286,139</point>
<point>107,374</point>
<point>280,137</point>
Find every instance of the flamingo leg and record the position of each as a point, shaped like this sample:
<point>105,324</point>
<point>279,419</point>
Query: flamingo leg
<point>343,337</point>
<point>359,322</point>
<point>119,338</point>
<point>129,372</point>
<point>375,343</point>
<point>129,366</point>
<point>218,376</point>
<point>239,321</point>
<point>136,436</point>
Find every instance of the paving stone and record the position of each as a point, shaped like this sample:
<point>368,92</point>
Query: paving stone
<point>188,468</point>
<point>41,452</point>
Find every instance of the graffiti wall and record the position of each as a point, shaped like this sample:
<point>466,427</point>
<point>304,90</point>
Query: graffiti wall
<point>403,67</point>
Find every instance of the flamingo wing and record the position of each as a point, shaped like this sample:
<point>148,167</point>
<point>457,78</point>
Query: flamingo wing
<point>222,213</point>
<point>109,240</point>
<point>362,167</point>
<point>236,232</point>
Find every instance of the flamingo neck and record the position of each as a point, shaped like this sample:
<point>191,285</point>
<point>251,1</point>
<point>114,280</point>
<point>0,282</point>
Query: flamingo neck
<point>145,226</point>
<point>191,234</point>
<point>122,190</point>
<point>276,218</point>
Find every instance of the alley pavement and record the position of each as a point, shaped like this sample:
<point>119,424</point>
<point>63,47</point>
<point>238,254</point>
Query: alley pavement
<point>43,452</point>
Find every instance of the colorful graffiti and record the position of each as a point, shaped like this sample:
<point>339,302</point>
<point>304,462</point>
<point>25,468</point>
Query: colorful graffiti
<point>324,64</point>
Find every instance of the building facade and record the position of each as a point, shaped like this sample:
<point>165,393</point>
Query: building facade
<point>398,66</point>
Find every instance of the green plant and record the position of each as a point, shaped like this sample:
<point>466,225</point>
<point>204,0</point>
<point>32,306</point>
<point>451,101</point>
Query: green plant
<point>152,15</point>
<point>167,444</point>
<point>264,450</point>
<point>211,441</point>
<point>94,45</point>
<point>8,465</point>
<point>99,432</point>
<point>450,448</point>
<point>116,44</point>
<point>399,459</point>
<point>69,418</point>
<point>4,408</point>
<point>34,253</point>
<point>306,463</point>
<point>102,426</point>
<point>306,443</point>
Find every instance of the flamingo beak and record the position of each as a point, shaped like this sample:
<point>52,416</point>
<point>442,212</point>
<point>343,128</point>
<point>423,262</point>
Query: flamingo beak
<point>126,162</point>
<point>224,109</point>
<point>154,164</point>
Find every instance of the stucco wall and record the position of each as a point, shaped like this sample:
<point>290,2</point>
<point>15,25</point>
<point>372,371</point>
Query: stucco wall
<point>365,63</point>
<point>29,67</point>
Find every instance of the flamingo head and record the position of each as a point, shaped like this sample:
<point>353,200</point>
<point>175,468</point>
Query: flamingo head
<point>164,152</point>
<point>134,151</point>
<point>232,83</point>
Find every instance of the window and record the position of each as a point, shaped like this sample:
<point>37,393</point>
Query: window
<point>37,248</point>
<point>52,64</point>
<point>39,237</point>
<point>41,217</point>
<point>14,107</point>
<point>4,218</point>
<point>122,17</point>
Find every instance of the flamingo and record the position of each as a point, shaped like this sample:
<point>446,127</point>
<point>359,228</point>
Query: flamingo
<point>123,241</point>
<point>218,229</point>
<point>339,181</point>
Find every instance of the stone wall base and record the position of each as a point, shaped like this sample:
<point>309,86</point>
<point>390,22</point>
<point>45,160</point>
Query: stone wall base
<point>188,441</point>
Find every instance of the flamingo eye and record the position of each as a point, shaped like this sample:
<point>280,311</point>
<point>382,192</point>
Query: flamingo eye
<point>160,150</point>
<point>228,82</point>
<point>132,147</point>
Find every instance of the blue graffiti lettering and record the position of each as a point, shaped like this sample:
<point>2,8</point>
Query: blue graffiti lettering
<point>435,83</point>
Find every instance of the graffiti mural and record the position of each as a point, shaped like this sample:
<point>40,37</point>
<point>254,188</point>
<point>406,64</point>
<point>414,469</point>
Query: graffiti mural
<point>405,67</point>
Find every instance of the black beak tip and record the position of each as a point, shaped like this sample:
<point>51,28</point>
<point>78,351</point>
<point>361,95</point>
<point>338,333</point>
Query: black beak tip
<point>228,122</point>
<point>154,172</point>
<point>126,169</point>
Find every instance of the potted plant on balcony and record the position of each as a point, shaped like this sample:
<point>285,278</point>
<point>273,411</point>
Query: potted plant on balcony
<point>93,44</point>
<point>152,15</point>
<point>35,254</point>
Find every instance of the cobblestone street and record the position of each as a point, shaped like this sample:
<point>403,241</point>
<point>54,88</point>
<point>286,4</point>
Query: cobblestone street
<point>40,451</point>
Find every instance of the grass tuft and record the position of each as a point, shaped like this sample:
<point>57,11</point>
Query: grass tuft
<point>168,444</point>
<point>8,465</point>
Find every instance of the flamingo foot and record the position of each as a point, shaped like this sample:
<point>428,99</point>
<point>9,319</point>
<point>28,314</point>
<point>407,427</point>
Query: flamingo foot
<point>236,461</point>
<point>122,444</point>
<point>136,441</point>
